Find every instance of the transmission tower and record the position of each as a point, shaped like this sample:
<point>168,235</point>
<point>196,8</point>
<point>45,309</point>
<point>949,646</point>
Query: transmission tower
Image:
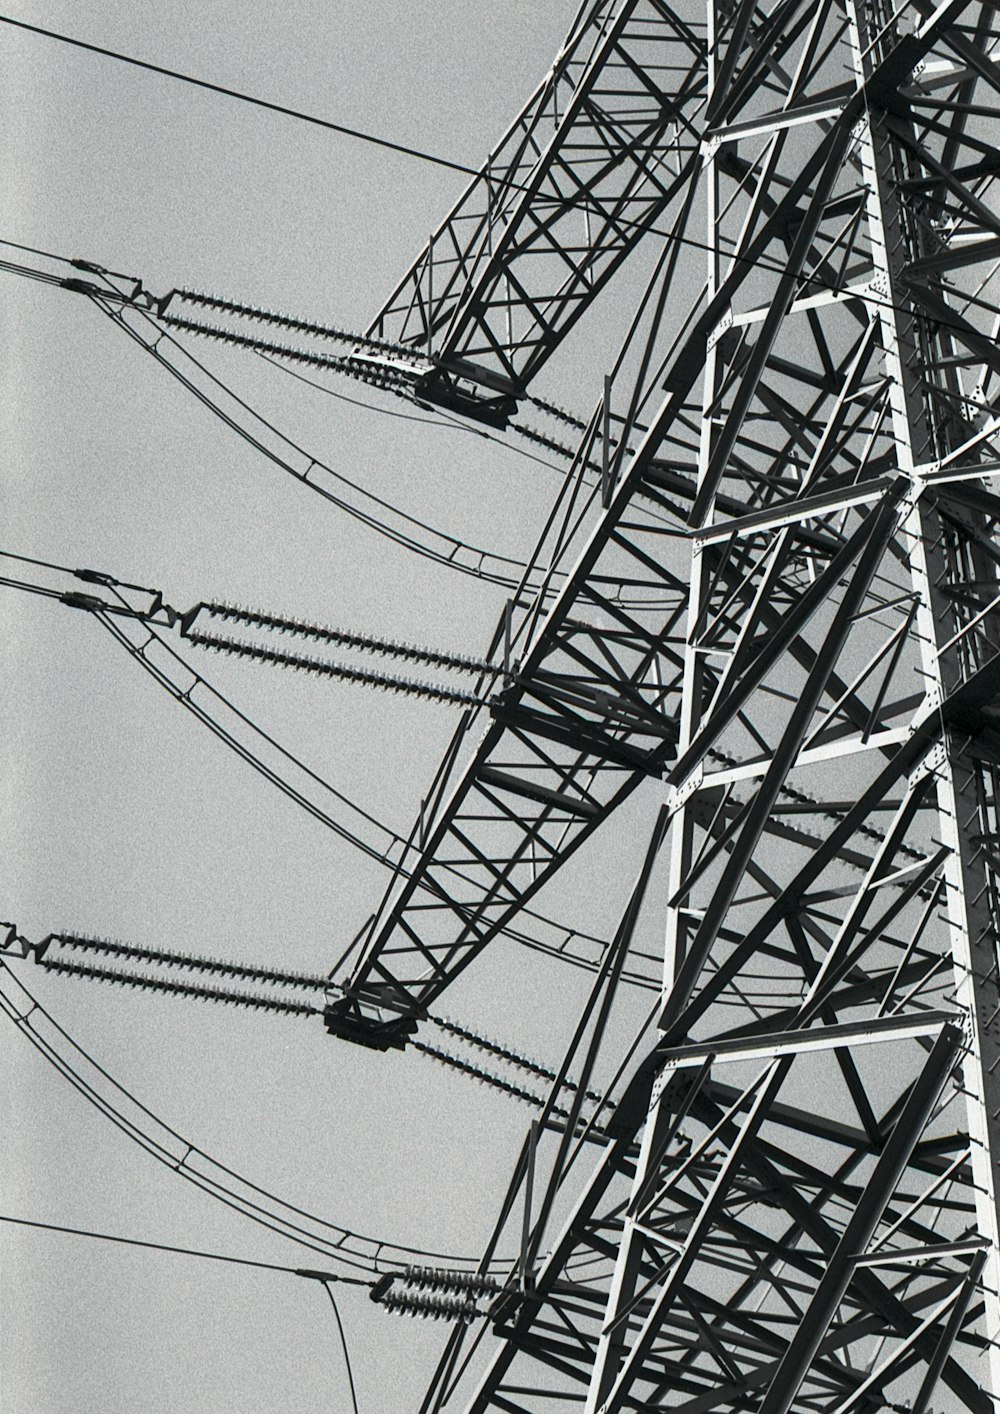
<point>772,597</point>
<point>768,597</point>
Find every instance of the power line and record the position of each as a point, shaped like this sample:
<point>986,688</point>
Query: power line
<point>245,98</point>
<point>185,1251</point>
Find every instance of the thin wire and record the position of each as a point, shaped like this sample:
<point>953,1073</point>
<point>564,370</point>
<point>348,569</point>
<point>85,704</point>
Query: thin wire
<point>245,97</point>
<point>343,1341</point>
<point>361,136</point>
<point>182,1251</point>
<point>34,250</point>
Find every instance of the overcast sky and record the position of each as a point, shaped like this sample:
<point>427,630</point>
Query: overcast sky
<point>121,817</point>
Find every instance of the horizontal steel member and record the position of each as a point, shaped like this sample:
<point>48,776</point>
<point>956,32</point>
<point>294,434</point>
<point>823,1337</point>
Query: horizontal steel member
<point>820,1038</point>
<point>775,517</point>
<point>922,1254</point>
<point>941,473</point>
<point>809,507</point>
<point>846,746</point>
<point>844,295</point>
<point>776,122</point>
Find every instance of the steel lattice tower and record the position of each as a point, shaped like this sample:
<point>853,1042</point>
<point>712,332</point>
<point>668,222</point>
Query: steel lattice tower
<point>783,604</point>
<point>769,596</point>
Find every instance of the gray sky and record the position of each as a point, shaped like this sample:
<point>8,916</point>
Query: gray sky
<point>122,817</point>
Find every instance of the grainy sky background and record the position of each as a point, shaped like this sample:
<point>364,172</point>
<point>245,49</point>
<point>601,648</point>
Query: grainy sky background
<point>121,816</point>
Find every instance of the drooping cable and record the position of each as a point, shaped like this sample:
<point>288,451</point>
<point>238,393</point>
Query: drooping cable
<point>397,388</point>
<point>412,534</point>
<point>226,721</point>
<point>476,562</point>
<point>445,420</point>
<point>393,850</point>
<point>168,1147</point>
<point>343,1342</point>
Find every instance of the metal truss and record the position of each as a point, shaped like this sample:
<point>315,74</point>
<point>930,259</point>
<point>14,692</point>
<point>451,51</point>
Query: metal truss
<point>791,471</point>
<point>587,169</point>
<point>769,593</point>
<point>589,710</point>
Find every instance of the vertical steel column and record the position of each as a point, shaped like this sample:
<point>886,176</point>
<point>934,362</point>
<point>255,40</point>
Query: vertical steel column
<point>972,932</point>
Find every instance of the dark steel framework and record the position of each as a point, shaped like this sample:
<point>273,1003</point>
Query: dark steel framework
<point>789,483</point>
<point>591,163</point>
<point>769,594</point>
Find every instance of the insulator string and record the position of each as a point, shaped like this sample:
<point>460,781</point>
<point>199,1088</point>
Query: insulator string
<point>382,377</point>
<point>190,961</point>
<point>486,1077</point>
<point>450,1279</point>
<point>107,947</point>
<point>367,643</point>
<point>447,1308</point>
<point>338,335</point>
<point>494,1049</point>
<point>284,321</point>
<point>386,682</point>
<point>187,989</point>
